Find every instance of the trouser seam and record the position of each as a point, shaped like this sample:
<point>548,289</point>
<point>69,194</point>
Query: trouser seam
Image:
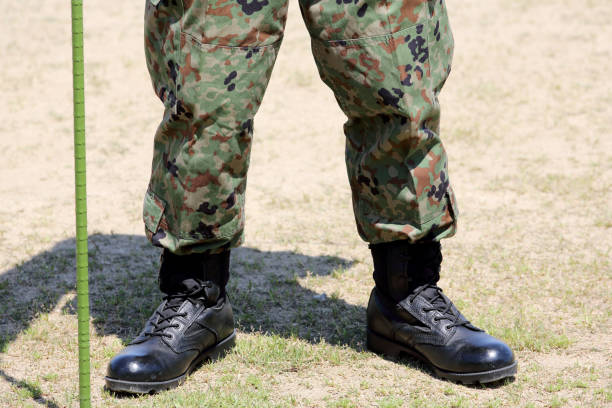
<point>370,37</point>
<point>199,43</point>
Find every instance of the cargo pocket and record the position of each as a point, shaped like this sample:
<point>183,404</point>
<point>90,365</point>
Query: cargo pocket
<point>227,83</point>
<point>153,212</point>
<point>375,75</point>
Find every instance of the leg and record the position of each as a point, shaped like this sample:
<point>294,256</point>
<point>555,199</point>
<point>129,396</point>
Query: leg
<point>210,63</point>
<point>386,63</point>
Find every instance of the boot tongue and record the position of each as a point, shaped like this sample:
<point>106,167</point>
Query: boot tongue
<point>178,291</point>
<point>173,304</point>
<point>433,296</point>
<point>191,288</point>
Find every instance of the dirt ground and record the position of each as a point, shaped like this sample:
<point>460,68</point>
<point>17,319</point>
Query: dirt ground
<point>527,123</point>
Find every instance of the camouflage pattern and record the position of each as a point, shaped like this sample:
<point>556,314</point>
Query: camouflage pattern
<point>210,62</point>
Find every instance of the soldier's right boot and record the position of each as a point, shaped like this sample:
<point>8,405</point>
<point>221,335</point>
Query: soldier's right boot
<point>193,323</point>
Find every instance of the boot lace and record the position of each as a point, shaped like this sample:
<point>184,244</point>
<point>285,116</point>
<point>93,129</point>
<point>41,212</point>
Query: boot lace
<point>441,304</point>
<point>170,310</point>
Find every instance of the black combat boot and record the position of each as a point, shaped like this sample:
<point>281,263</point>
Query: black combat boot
<point>193,323</point>
<point>408,313</point>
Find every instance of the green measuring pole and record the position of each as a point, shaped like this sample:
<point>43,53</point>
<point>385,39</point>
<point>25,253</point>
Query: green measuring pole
<point>78,86</point>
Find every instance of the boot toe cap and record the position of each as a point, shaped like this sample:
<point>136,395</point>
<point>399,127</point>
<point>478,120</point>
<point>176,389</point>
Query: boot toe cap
<point>491,354</point>
<point>137,367</point>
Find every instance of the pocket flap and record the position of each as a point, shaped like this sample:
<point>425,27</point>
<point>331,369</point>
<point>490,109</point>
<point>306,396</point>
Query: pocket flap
<point>152,211</point>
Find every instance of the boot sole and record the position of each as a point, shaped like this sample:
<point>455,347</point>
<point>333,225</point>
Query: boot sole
<point>134,387</point>
<point>381,345</point>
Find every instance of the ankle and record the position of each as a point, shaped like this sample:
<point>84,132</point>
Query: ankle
<point>186,273</point>
<point>400,266</point>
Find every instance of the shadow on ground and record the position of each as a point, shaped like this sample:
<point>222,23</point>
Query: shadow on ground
<point>33,390</point>
<point>264,291</point>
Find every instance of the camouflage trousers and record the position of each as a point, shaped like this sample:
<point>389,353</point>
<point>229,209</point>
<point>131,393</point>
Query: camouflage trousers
<point>210,62</point>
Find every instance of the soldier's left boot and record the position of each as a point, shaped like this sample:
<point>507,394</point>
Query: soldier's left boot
<point>408,313</point>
